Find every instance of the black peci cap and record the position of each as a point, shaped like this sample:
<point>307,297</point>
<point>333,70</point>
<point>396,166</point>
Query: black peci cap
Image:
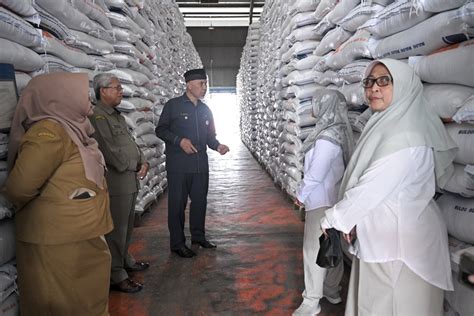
<point>195,74</point>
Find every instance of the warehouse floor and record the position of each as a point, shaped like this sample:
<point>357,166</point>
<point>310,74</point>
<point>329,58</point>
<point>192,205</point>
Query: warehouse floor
<point>257,267</point>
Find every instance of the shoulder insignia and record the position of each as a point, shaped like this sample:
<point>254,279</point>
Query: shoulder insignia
<point>46,134</point>
<point>99,117</point>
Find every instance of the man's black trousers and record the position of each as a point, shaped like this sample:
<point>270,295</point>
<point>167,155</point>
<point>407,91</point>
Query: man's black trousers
<point>180,187</point>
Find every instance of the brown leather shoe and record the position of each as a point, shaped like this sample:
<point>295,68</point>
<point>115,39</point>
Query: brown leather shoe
<point>138,266</point>
<point>126,286</point>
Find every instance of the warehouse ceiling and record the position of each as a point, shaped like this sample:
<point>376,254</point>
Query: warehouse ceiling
<point>220,13</point>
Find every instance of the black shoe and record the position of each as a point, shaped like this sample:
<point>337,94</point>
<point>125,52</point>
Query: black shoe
<point>204,244</point>
<point>138,266</point>
<point>126,286</point>
<point>184,252</point>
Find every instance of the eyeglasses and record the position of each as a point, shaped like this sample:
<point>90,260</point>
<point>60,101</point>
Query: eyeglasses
<point>118,88</point>
<point>381,81</point>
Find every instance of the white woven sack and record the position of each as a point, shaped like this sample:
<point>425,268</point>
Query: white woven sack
<point>341,10</point>
<point>90,44</point>
<point>53,25</point>
<point>302,6</point>
<point>54,64</point>
<point>458,214</point>
<point>303,19</point>
<point>73,56</point>
<point>322,64</point>
<point>463,136</point>
<point>16,29</point>
<point>129,76</point>
<point>324,7</point>
<point>441,5</point>
<point>125,35</point>
<point>11,305</point>
<point>424,38</point>
<point>462,181</point>
<point>7,240</point>
<point>359,15</point>
<point>354,72</point>
<point>8,285</point>
<point>305,91</point>
<point>302,33</point>
<point>330,77</point>
<point>353,49</point>
<point>353,93</point>
<point>67,14</point>
<point>398,16</point>
<point>332,40</point>
<point>452,65</point>
<point>93,11</point>
<point>304,48</point>
<point>305,63</point>
<point>21,7</point>
<point>446,99</point>
<point>298,77</point>
<point>321,29</point>
<point>22,58</point>
<point>129,49</point>
<point>123,21</point>
<point>141,104</point>
<point>466,113</point>
<point>144,128</point>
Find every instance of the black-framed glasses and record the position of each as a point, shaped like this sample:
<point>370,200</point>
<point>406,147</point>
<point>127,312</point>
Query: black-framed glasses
<point>381,81</point>
<point>118,88</point>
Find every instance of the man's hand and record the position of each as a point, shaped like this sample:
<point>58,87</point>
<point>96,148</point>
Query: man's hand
<point>187,146</point>
<point>143,170</point>
<point>222,149</point>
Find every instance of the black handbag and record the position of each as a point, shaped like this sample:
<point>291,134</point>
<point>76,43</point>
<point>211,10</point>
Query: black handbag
<point>330,250</point>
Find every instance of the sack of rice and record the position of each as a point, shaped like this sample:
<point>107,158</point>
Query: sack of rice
<point>21,57</point>
<point>51,45</point>
<point>16,29</point>
<point>7,241</point>
<point>332,40</point>
<point>21,7</point>
<point>93,11</point>
<point>353,49</point>
<point>463,136</point>
<point>424,38</point>
<point>324,7</point>
<point>446,99</point>
<point>359,15</point>
<point>441,5</point>
<point>466,113</point>
<point>462,181</point>
<point>454,64</point>
<point>396,17</point>
<point>458,213</point>
<point>354,72</point>
<point>341,10</point>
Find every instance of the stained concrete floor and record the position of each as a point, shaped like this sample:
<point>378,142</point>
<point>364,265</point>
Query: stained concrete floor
<point>257,268</point>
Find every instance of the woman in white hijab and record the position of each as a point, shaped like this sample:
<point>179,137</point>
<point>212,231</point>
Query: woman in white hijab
<point>327,150</point>
<point>385,208</point>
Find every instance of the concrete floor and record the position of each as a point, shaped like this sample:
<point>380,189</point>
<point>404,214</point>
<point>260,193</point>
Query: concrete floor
<point>257,268</point>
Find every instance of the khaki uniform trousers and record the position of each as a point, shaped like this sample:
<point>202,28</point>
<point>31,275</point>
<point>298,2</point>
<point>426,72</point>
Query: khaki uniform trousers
<point>390,289</point>
<point>316,279</point>
<point>122,208</point>
<point>69,279</point>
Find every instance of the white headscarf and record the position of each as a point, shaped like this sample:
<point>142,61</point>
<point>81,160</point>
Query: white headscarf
<point>407,122</point>
<point>329,107</point>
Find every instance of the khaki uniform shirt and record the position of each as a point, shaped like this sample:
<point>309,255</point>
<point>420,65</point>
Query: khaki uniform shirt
<point>121,153</point>
<point>42,186</point>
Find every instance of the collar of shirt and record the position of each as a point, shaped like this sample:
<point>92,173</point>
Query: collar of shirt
<point>186,99</point>
<point>107,109</point>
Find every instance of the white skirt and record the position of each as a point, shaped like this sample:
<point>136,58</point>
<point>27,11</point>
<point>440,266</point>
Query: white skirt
<point>390,288</point>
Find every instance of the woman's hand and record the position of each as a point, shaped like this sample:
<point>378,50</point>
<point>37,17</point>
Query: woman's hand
<point>352,236</point>
<point>325,225</point>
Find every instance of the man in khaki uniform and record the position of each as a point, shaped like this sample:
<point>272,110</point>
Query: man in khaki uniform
<point>125,163</point>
